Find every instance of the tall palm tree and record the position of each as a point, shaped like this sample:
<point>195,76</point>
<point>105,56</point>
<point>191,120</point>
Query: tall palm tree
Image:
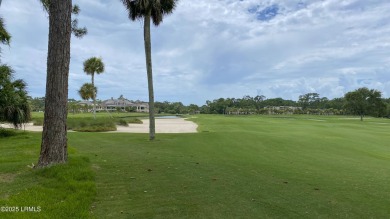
<point>153,10</point>
<point>91,66</point>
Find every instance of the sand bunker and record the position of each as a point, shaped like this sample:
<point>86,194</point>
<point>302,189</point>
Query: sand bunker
<point>178,125</point>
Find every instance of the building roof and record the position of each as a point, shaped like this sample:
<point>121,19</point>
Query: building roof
<point>122,102</point>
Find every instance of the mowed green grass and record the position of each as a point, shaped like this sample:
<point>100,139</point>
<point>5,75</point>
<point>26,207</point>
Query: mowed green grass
<point>236,167</point>
<point>63,191</point>
<point>245,167</point>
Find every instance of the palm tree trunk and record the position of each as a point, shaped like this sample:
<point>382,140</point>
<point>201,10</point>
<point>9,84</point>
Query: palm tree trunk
<point>94,96</point>
<point>54,137</point>
<point>148,56</point>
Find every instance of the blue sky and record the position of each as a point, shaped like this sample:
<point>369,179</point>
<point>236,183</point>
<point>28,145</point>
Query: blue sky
<point>215,48</point>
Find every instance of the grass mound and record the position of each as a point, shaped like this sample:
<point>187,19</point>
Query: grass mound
<point>86,124</point>
<point>91,124</point>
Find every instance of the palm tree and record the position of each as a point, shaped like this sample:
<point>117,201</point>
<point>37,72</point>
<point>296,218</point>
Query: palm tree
<point>14,107</point>
<point>87,91</point>
<point>91,66</point>
<point>153,10</point>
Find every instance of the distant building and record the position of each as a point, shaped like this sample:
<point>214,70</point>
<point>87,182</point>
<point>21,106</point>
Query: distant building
<point>282,109</point>
<point>85,103</point>
<point>121,104</point>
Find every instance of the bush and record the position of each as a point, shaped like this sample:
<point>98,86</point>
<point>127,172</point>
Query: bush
<point>122,122</point>
<point>134,121</point>
<point>6,132</point>
<point>94,125</point>
<point>91,125</point>
<point>38,122</point>
<point>94,128</point>
<point>127,119</point>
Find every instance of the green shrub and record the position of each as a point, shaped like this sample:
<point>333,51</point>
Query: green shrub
<point>91,124</point>
<point>38,122</point>
<point>7,132</point>
<point>95,129</point>
<point>123,122</point>
<point>134,121</point>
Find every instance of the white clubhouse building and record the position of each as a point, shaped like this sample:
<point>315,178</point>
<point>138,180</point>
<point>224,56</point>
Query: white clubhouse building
<point>119,104</point>
<point>113,105</point>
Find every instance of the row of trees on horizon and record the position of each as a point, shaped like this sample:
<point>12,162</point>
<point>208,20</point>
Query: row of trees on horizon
<point>370,103</point>
<point>362,101</point>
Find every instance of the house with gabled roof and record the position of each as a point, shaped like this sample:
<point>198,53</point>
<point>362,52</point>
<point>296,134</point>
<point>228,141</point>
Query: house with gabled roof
<point>123,103</point>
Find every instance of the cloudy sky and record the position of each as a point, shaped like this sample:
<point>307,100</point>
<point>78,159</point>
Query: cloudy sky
<point>215,48</point>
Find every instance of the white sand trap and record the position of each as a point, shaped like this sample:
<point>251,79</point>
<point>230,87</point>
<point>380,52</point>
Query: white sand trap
<point>178,125</point>
<point>27,127</point>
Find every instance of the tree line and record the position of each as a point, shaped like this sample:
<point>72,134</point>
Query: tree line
<point>361,102</point>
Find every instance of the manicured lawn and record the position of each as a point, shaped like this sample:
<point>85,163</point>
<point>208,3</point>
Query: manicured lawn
<point>64,191</point>
<point>235,167</point>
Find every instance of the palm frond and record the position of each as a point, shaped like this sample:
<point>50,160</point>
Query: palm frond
<point>5,73</point>
<point>87,91</point>
<point>137,9</point>
<point>5,37</point>
<point>19,84</point>
<point>93,65</point>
